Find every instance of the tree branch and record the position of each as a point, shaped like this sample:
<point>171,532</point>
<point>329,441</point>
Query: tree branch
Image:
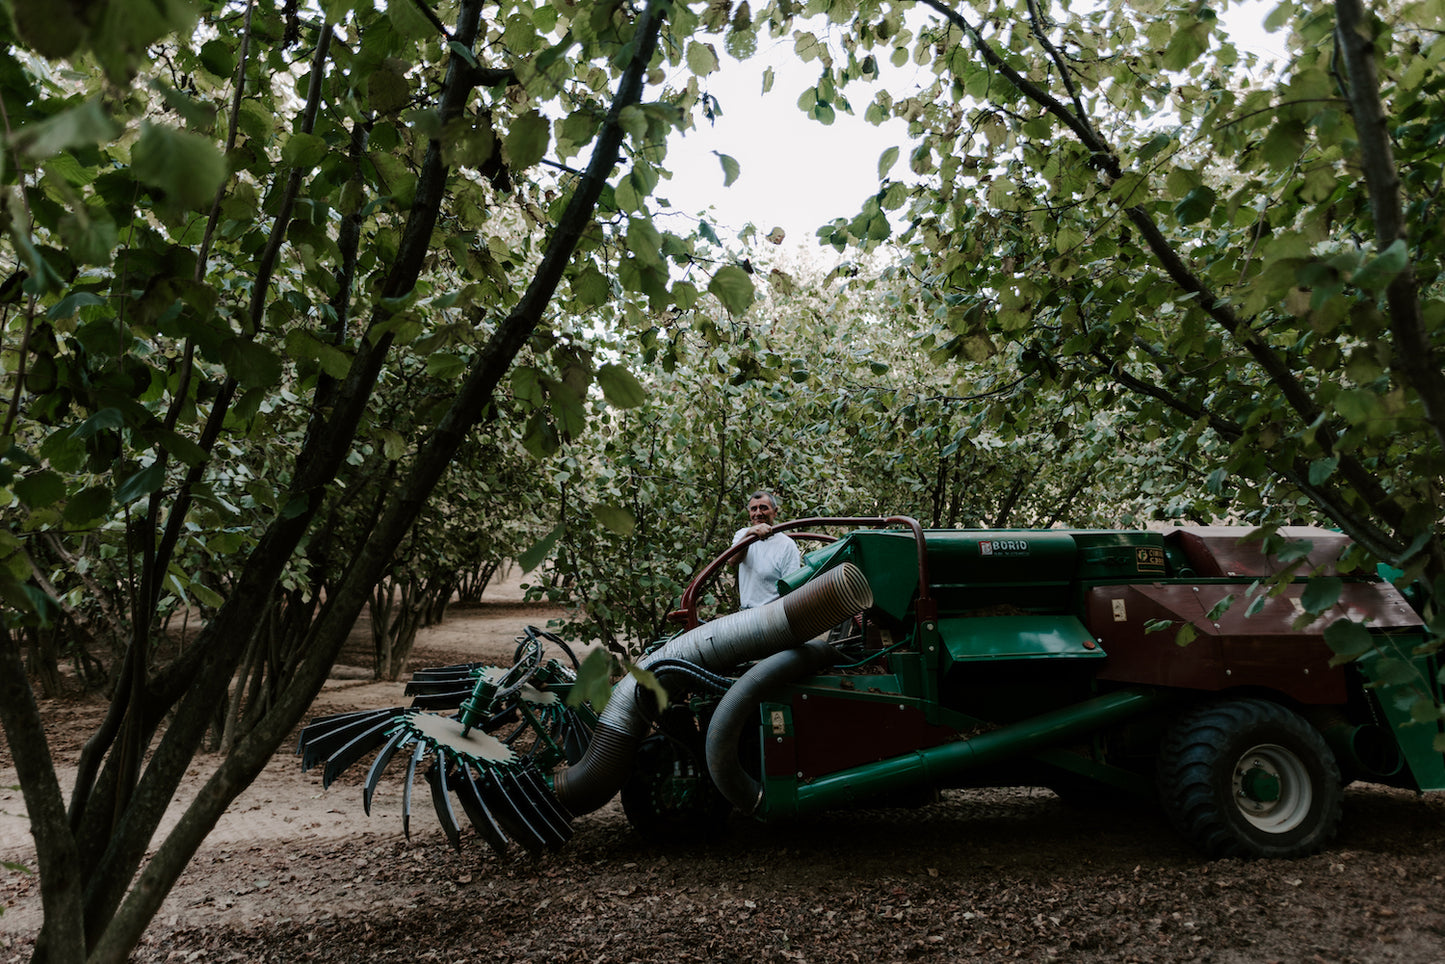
<point>331,627</point>
<point>1415,356</point>
<point>1275,368</point>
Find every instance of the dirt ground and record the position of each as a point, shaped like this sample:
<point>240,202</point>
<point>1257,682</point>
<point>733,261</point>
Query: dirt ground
<point>295,873</point>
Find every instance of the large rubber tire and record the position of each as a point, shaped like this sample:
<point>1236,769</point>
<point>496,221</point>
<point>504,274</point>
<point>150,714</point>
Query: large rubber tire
<point>669,798</point>
<point>1249,778</point>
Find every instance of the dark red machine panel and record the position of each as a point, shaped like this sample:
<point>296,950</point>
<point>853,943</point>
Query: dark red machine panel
<point>846,733</point>
<point>1219,551</point>
<point>1231,648</point>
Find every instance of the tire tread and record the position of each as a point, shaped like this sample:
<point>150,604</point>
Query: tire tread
<point>1196,745</point>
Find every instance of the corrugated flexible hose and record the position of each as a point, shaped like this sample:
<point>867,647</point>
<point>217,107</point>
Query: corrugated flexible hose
<point>739,708</point>
<point>722,644</point>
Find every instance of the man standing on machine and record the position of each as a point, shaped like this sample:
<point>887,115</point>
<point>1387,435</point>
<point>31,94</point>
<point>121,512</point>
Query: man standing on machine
<point>769,559</point>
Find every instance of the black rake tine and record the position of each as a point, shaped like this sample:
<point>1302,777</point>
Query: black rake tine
<point>406,787</point>
<point>438,701</point>
<point>452,669</point>
<point>520,728</point>
<point>436,776</point>
<point>558,830</point>
<point>477,812</point>
<point>439,682</point>
<point>360,745</point>
<point>445,676</point>
<point>322,722</point>
<point>324,737</point>
<point>318,730</point>
<point>509,814</point>
<point>326,724</point>
<point>575,738</point>
<point>500,717</point>
<point>379,764</point>
<point>546,801</point>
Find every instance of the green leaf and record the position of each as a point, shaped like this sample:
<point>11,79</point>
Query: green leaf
<point>1220,608</point>
<point>538,552</point>
<point>462,52</point>
<point>51,32</point>
<point>526,142</point>
<point>1348,640</point>
<point>1186,635</point>
<point>302,345</point>
<point>176,444</point>
<point>620,387</point>
<point>1284,143</point>
<point>634,121</point>
<point>527,385</point>
<point>445,365</point>
<point>81,126</point>
<point>124,31</point>
<point>615,517</point>
<point>1389,671</point>
<point>1382,269</point>
<point>393,445</point>
<point>88,505</point>
<point>1196,205</point>
<point>591,288</point>
<point>1321,593</point>
<point>218,57</point>
<point>701,58</point>
<point>627,198</point>
<point>206,596</point>
<point>387,87</point>
<point>730,168</point>
<point>43,488</point>
<point>1424,710</point>
<point>303,151</point>
<point>1154,145</point>
<point>733,287</point>
<point>140,483</point>
<point>107,419</point>
<point>251,364</point>
<point>886,161</point>
<point>1188,41</point>
<point>187,167</point>
<point>1322,469</point>
<point>409,21</point>
<point>649,682</point>
<point>1357,405</point>
<point>685,295</point>
<point>594,681</point>
<point>644,241</point>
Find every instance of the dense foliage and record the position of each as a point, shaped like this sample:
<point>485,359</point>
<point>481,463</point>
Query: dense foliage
<point>266,270</point>
<point>824,392</point>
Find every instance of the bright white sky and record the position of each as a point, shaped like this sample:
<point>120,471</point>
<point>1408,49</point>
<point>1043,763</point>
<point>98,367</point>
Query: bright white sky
<point>796,173</point>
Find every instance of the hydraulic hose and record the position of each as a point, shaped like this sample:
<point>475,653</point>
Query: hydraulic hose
<point>739,708</point>
<point>719,645</point>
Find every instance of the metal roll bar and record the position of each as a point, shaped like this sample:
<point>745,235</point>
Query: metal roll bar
<point>686,612</point>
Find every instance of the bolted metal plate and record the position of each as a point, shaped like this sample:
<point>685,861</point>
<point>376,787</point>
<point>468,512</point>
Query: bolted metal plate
<point>538,697</point>
<point>447,733</point>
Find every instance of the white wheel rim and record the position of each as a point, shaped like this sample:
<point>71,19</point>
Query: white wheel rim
<point>1272,788</point>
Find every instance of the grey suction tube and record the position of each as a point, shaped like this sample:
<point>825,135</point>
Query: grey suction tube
<point>739,707</point>
<point>729,641</point>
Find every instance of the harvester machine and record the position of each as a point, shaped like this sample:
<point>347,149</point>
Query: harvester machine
<point>1189,665</point>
